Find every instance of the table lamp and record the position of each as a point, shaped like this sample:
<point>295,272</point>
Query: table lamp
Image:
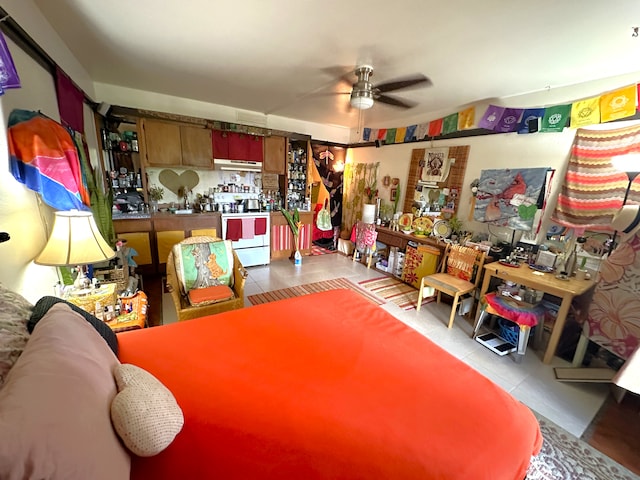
<point>75,241</point>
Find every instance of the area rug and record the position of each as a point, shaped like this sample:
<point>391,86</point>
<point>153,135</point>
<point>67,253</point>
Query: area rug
<point>312,288</point>
<point>396,291</point>
<point>318,250</point>
<point>565,457</point>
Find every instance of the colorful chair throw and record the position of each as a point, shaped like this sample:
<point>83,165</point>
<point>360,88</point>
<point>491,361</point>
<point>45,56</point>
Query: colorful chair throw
<point>201,265</point>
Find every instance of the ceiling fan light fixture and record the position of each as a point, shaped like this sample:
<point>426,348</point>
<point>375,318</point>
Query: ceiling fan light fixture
<point>361,99</point>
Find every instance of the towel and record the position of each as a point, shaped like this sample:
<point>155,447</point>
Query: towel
<point>248,228</point>
<point>234,229</point>
<point>260,226</point>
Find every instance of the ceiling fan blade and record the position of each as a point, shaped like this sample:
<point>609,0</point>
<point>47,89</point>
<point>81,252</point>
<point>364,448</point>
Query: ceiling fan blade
<point>414,81</point>
<point>395,102</point>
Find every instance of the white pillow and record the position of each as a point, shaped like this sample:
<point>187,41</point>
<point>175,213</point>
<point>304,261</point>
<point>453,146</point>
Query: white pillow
<point>145,413</point>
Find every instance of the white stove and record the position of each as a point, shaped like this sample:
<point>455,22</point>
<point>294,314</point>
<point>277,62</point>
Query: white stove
<point>249,238</point>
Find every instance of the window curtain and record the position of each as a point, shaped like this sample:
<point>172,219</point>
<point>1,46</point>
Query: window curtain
<point>593,190</point>
<point>357,176</point>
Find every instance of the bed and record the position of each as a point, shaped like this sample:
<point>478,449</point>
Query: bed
<point>322,386</point>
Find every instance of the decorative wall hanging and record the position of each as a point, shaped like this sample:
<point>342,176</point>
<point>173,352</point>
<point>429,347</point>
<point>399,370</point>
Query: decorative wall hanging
<point>511,197</point>
<point>436,165</point>
<point>593,190</point>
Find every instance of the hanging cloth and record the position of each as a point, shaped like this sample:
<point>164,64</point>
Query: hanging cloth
<point>593,190</point>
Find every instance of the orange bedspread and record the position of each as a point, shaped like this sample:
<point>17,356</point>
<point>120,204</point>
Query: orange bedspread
<point>326,386</point>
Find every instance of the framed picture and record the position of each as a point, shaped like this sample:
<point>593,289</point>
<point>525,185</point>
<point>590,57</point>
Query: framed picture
<point>393,193</point>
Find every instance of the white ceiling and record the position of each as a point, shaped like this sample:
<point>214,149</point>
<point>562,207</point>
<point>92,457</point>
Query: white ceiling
<point>281,57</point>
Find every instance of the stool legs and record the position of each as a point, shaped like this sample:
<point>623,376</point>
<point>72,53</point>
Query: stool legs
<point>483,314</point>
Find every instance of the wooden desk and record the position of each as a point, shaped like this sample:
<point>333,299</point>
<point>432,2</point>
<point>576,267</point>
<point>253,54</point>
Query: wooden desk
<point>567,290</point>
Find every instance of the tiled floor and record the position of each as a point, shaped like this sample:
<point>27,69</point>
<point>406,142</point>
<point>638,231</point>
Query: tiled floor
<point>570,405</point>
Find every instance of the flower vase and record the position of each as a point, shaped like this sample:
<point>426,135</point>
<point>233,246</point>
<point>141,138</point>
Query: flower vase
<point>154,206</point>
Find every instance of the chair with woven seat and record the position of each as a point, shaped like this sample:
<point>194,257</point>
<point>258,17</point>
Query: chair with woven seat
<point>185,310</point>
<point>459,275</point>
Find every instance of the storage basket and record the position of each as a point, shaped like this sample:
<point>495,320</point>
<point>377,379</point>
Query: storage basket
<point>510,330</point>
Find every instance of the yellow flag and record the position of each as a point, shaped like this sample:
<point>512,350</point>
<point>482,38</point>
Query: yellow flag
<point>400,133</point>
<point>585,112</point>
<point>619,104</point>
<point>466,118</point>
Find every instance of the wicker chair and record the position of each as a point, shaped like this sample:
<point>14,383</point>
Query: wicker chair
<point>184,310</point>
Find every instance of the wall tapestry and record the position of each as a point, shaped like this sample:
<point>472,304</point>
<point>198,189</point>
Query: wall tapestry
<point>593,190</point>
<point>357,178</point>
<point>436,165</point>
<point>329,163</point>
<point>510,197</point>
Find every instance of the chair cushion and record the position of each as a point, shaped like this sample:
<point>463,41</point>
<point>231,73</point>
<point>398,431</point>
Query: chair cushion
<point>461,262</point>
<point>200,265</point>
<point>209,295</point>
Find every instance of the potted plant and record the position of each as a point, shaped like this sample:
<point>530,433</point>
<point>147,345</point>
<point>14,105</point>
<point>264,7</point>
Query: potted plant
<point>156,194</point>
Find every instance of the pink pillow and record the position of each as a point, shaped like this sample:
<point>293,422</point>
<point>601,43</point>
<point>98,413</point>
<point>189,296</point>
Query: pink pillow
<point>54,406</point>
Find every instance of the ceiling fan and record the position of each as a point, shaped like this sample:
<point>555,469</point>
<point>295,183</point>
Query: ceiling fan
<point>364,94</point>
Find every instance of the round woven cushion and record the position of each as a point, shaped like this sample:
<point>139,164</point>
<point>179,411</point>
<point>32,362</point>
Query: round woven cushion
<point>144,412</point>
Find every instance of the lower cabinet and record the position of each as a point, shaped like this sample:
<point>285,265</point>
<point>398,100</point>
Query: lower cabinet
<point>282,239</point>
<point>154,238</point>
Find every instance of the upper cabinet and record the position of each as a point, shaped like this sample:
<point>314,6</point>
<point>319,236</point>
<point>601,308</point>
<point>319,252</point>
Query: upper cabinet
<point>196,147</point>
<point>237,146</point>
<point>169,144</point>
<point>275,149</point>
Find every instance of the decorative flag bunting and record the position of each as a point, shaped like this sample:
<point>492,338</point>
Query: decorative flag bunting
<point>585,112</point>
<point>607,107</point>
<point>411,131</point>
<point>527,124</point>
<point>619,104</point>
<point>491,117</point>
<point>391,136</point>
<point>8,74</point>
<point>450,123</point>
<point>509,121</point>
<point>466,118</point>
<point>421,131</point>
<point>435,128</point>
<point>555,118</point>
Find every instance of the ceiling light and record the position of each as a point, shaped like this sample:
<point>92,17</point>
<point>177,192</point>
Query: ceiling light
<point>361,99</point>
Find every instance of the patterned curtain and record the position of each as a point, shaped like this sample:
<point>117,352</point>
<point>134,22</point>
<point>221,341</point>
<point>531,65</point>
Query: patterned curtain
<point>357,176</point>
<point>593,190</point>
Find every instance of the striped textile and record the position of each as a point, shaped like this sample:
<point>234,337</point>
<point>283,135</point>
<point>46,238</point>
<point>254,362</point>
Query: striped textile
<point>393,290</point>
<point>281,238</point>
<point>308,288</point>
<point>593,190</point>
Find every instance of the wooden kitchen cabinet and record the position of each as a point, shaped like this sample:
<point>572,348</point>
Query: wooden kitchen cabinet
<point>275,151</point>
<point>197,147</point>
<point>168,144</point>
<point>138,233</point>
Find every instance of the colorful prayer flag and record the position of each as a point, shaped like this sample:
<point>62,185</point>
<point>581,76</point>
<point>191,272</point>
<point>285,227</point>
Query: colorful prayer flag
<point>619,104</point>
<point>400,133</point>
<point>435,128</point>
<point>555,118</point>
<point>585,112</point>
<point>491,117</point>
<point>509,121</point>
<point>410,133</point>
<point>466,118</point>
<point>450,124</point>
<point>382,134</point>
<point>374,135</point>
<point>366,134</point>
<point>391,136</point>
<point>421,131</point>
<point>531,115</point>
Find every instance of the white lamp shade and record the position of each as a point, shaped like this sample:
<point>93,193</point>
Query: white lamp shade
<point>75,240</point>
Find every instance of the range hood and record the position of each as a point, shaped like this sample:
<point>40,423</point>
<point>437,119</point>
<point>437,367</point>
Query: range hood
<point>237,165</point>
